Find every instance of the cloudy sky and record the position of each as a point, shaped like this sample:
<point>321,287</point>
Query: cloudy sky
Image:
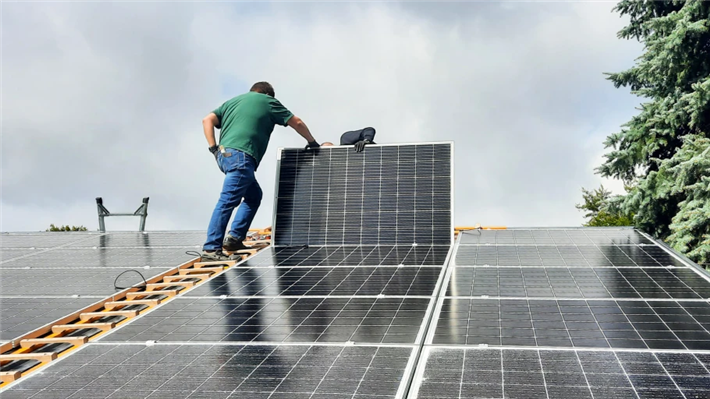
<point>107,99</point>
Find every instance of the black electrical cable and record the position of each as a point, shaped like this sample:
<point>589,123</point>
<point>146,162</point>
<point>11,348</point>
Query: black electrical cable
<point>194,253</point>
<point>130,270</point>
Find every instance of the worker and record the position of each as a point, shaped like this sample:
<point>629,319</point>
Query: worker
<point>358,138</point>
<point>245,124</point>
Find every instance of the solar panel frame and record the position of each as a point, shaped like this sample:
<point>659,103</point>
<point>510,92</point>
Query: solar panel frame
<point>409,237</point>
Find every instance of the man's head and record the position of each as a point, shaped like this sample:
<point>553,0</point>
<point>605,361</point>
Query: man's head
<point>327,144</point>
<point>264,88</point>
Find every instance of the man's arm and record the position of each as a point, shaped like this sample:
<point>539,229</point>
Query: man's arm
<point>209,122</point>
<point>299,126</point>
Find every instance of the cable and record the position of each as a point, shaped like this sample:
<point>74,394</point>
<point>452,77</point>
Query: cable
<point>130,270</point>
<point>194,253</point>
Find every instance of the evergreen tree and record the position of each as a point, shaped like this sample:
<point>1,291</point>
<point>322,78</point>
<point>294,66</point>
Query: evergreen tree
<point>597,206</point>
<point>663,151</point>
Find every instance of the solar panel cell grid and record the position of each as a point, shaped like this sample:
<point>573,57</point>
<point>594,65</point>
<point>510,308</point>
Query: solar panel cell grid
<point>21,315</point>
<point>587,236</point>
<point>453,373</point>
<point>42,240</point>
<point>578,283</point>
<point>566,256</point>
<point>386,195</point>
<point>153,239</point>
<point>282,319</point>
<point>575,323</point>
<point>104,257</point>
<point>383,255</point>
<point>323,281</point>
<point>227,371</point>
<point>68,282</point>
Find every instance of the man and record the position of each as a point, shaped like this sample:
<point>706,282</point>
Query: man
<point>359,138</point>
<point>246,123</point>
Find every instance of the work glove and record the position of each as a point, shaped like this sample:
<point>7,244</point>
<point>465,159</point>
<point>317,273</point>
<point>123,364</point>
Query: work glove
<point>360,145</point>
<point>215,151</point>
<point>312,145</point>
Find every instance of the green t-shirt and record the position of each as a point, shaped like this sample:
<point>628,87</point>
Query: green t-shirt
<point>247,122</point>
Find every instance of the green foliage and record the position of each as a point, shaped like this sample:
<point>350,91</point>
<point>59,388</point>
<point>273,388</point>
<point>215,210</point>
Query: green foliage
<point>52,227</point>
<point>597,206</point>
<point>662,151</point>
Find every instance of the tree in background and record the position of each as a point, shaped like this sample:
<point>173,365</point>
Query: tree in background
<point>52,227</point>
<point>598,206</point>
<point>662,153</point>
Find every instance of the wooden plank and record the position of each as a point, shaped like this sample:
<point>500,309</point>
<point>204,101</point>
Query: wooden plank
<point>186,272</point>
<point>95,315</point>
<point>9,376</point>
<point>229,263</point>
<point>76,341</point>
<point>155,292</point>
<point>152,287</point>
<point>119,304</point>
<point>42,356</point>
<point>71,327</point>
<point>252,243</point>
<point>180,277</point>
<point>244,253</point>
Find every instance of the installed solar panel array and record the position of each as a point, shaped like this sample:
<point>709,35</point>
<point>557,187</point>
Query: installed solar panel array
<point>584,313</point>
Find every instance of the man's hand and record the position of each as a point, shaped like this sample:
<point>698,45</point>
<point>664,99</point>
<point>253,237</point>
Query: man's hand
<point>312,145</point>
<point>215,151</point>
<point>360,145</point>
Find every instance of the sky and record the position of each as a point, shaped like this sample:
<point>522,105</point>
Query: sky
<point>106,100</point>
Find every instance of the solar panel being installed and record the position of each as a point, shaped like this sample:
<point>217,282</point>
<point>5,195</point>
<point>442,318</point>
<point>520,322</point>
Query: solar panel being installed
<point>387,195</point>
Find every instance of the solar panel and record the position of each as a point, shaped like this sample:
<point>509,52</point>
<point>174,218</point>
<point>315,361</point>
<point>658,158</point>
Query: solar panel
<point>390,320</point>
<point>42,240</point>
<point>68,282</point>
<point>535,373</point>
<point>384,255</point>
<point>63,258</point>
<point>619,283</point>
<point>555,237</point>
<point>387,195</point>
<point>21,315</point>
<point>575,323</point>
<point>221,371</point>
<point>564,256</point>
<point>323,281</point>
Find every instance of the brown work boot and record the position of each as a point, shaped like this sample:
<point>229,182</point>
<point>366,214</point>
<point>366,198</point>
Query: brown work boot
<point>213,256</point>
<point>232,244</point>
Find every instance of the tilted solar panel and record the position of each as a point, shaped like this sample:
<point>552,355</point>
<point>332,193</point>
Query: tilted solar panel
<point>388,195</point>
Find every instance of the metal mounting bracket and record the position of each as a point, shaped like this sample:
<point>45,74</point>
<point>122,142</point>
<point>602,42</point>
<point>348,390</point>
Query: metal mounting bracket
<point>142,211</point>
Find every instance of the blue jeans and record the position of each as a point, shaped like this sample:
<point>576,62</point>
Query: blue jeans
<point>239,183</point>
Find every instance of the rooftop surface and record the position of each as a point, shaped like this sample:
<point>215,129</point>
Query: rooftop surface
<point>514,313</point>
<point>366,294</point>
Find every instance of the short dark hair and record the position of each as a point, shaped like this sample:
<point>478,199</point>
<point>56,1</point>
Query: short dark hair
<point>264,88</point>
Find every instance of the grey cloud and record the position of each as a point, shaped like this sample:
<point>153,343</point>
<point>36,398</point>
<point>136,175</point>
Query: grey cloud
<point>106,99</point>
